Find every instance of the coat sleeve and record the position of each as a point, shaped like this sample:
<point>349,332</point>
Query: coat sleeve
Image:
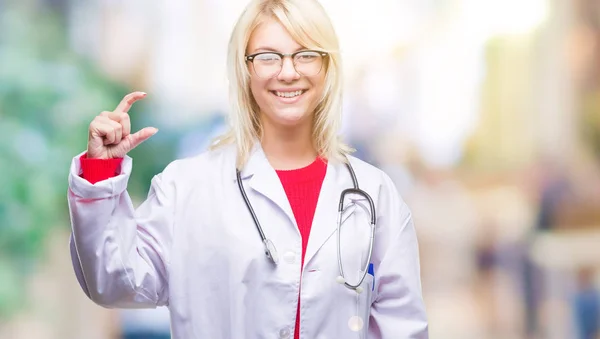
<point>120,255</point>
<point>398,310</point>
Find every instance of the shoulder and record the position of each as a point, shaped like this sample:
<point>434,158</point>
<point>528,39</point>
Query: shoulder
<point>377,182</point>
<point>370,173</point>
<point>207,164</point>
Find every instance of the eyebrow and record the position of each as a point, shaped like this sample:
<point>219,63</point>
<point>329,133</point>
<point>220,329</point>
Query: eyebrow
<point>271,49</point>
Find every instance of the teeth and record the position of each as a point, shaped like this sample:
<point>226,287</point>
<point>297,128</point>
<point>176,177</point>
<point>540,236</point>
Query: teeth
<point>288,94</point>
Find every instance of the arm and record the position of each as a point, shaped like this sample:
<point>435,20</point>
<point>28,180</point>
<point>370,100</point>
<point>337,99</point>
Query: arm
<point>120,255</point>
<point>398,310</point>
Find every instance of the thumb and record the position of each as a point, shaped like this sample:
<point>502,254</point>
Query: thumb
<point>140,136</point>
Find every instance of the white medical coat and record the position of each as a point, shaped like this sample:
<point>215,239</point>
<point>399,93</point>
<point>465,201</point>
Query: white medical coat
<point>192,245</point>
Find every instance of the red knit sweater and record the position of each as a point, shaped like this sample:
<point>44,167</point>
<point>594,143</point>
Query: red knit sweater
<point>302,187</point>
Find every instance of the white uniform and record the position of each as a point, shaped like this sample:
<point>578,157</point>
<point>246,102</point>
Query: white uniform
<point>192,245</point>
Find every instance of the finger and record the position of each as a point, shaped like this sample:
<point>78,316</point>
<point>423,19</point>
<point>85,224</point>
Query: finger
<point>128,100</point>
<point>118,130</point>
<point>109,130</point>
<point>110,136</point>
<point>99,127</point>
<point>126,123</point>
<point>113,116</point>
<point>116,115</point>
<point>141,136</point>
<point>104,130</point>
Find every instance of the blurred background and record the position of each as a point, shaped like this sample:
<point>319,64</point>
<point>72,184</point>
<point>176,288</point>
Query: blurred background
<point>486,113</point>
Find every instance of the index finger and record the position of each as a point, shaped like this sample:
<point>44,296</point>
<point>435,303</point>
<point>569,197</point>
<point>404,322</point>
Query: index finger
<point>128,101</point>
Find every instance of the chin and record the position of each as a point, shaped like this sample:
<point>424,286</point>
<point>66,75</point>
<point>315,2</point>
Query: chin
<point>290,117</point>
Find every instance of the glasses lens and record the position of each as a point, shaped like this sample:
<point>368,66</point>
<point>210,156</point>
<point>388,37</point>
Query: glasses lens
<point>267,65</point>
<point>308,63</point>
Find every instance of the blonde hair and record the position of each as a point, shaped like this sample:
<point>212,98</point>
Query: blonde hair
<point>309,25</point>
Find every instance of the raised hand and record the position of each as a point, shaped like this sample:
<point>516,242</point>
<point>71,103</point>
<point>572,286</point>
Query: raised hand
<point>110,132</point>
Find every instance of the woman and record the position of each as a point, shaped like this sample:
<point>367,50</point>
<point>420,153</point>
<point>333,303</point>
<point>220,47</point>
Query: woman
<point>194,244</point>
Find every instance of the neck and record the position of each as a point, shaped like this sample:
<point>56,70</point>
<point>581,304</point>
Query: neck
<point>288,147</point>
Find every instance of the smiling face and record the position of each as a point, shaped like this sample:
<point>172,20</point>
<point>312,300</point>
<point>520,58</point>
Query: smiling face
<point>287,99</point>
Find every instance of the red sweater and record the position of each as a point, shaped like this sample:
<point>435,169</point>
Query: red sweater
<point>302,187</point>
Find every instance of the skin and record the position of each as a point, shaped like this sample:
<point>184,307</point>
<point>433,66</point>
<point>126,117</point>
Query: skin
<point>287,126</point>
<point>110,132</point>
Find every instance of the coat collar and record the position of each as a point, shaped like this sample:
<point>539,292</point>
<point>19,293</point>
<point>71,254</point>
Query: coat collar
<point>262,178</point>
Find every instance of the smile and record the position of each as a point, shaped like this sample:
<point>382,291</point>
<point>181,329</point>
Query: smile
<point>288,94</point>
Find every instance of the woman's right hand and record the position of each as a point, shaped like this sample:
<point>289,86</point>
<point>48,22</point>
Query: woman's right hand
<point>109,134</point>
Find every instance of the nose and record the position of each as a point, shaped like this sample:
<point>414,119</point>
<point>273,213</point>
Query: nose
<point>288,72</point>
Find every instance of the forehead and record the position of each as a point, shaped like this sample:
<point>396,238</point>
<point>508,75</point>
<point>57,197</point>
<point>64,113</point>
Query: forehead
<point>271,35</point>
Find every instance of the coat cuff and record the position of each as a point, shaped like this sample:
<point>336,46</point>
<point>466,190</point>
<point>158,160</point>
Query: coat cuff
<point>108,188</point>
<point>94,170</point>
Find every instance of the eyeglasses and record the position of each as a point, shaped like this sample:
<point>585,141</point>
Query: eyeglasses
<point>269,64</point>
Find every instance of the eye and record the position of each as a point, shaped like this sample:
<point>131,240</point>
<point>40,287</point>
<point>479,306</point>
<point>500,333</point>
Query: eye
<point>308,56</point>
<point>267,58</point>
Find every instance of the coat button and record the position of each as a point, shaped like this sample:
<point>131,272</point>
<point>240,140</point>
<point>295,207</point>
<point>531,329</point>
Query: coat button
<point>355,323</point>
<point>289,257</point>
<point>284,333</point>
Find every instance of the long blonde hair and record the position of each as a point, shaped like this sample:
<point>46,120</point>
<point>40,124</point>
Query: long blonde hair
<point>309,25</point>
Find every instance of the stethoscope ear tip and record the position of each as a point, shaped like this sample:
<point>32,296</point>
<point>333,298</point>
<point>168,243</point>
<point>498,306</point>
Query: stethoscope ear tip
<point>340,279</point>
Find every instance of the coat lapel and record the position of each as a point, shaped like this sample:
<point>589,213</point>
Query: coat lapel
<point>325,220</point>
<point>263,179</point>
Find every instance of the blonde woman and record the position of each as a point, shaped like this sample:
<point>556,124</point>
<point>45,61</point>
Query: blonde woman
<point>276,232</point>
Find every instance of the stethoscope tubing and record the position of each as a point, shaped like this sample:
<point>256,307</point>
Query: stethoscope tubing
<point>269,247</point>
<point>270,250</point>
<point>355,190</point>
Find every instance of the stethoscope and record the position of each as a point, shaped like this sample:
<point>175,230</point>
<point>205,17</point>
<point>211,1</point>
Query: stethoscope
<point>271,251</point>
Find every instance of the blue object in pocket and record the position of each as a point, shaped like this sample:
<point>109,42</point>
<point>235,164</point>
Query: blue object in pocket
<point>372,273</point>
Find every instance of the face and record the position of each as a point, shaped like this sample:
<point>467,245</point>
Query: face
<point>287,99</point>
